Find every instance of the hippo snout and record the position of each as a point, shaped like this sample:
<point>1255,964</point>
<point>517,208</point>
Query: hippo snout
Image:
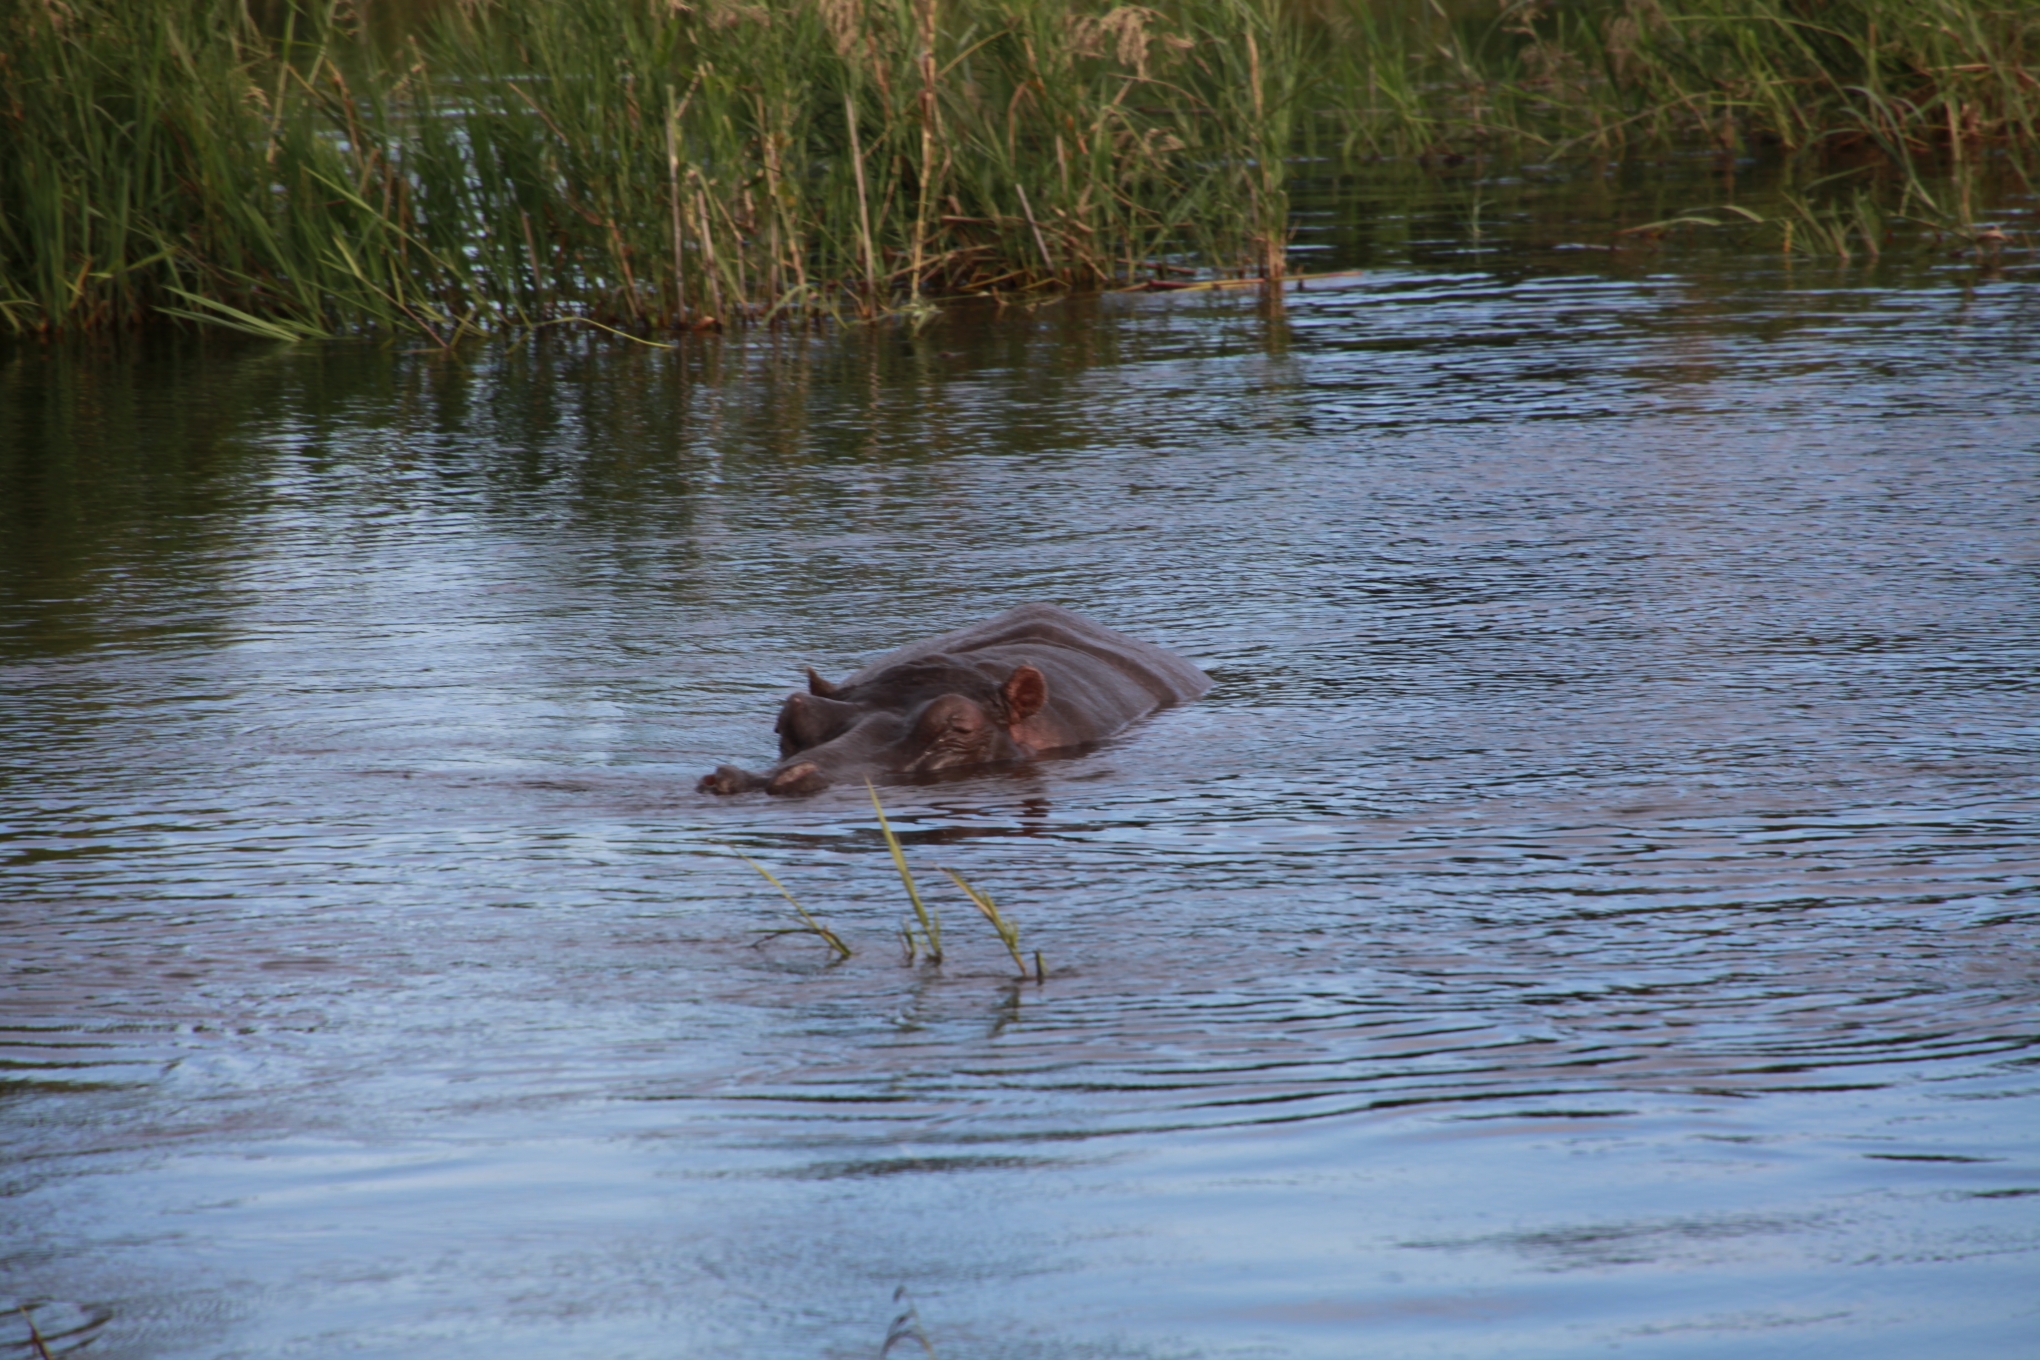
<point>730,779</point>
<point>802,776</point>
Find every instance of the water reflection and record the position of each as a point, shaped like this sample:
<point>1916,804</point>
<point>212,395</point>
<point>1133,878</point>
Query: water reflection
<point>1595,902</point>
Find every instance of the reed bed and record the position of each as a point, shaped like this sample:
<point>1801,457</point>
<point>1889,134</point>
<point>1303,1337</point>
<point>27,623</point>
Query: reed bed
<point>1896,78</point>
<point>639,164</point>
<point>302,168</point>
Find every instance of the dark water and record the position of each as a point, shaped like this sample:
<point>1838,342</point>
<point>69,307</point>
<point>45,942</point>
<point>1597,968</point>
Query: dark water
<point>1595,911</point>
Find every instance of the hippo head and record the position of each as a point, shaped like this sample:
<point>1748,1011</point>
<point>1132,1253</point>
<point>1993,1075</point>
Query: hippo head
<point>915,719</point>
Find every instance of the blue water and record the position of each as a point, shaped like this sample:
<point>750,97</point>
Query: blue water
<point>1595,911</point>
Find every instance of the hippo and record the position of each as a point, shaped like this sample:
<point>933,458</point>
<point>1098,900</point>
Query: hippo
<point>1035,680</point>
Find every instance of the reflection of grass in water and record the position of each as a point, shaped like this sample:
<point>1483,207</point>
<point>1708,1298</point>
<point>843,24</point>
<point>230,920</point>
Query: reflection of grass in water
<point>1844,226</point>
<point>1829,228</point>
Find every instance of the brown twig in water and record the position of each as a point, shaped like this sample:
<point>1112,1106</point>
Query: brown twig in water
<point>906,1327</point>
<point>35,1337</point>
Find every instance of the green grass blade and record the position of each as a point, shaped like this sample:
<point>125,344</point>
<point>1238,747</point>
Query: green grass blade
<point>233,318</point>
<point>1009,933</point>
<point>931,922</point>
<point>828,936</point>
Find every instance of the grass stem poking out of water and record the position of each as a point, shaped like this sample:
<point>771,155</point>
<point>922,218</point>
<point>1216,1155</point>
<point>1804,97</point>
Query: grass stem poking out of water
<point>906,1327</point>
<point>1009,933</point>
<point>931,921</point>
<point>1606,77</point>
<point>42,1351</point>
<point>807,922</point>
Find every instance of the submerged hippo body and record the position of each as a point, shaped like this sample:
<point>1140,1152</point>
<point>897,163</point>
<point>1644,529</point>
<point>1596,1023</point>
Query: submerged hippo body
<point>1036,679</point>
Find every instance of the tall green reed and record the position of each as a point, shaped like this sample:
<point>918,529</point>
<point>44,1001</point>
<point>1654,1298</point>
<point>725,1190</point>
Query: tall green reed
<point>1867,102</point>
<point>290,168</point>
<point>636,163</point>
<point>1607,76</point>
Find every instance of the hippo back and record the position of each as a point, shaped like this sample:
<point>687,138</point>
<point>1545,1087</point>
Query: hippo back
<point>1044,629</point>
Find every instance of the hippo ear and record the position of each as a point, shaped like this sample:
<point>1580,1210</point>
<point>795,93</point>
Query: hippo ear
<point>818,686</point>
<point>1025,691</point>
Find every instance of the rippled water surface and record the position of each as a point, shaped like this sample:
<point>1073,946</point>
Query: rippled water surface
<point>1594,911</point>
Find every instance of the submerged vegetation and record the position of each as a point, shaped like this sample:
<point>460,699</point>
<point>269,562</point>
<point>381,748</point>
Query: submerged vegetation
<point>302,168</point>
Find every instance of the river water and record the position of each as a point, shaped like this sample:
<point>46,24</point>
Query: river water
<point>1594,911</point>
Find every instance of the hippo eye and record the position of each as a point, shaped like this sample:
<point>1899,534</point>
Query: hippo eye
<point>950,731</point>
<point>950,717</point>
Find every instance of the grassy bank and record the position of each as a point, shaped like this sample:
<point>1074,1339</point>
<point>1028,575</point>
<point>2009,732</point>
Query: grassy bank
<point>1604,77</point>
<point>640,164</point>
<point>653,166</point>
